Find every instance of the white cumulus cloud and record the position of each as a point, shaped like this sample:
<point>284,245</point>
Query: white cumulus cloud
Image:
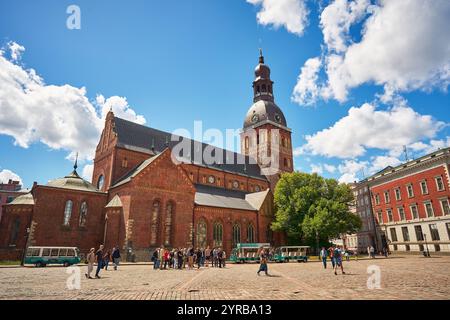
<point>290,14</point>
<point>61,117</point>
<point>87,172</point>
<point>366,127</point>
<point>6,174</point>
<point>404,46</point>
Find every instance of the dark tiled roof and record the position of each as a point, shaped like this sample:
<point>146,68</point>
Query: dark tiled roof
<point>222,198</point>
<point>141,138</point>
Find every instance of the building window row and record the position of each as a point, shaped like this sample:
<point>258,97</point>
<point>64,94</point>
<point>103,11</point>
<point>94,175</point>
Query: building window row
<point>420,236</point>
<point>440,186</point>
<point>413,208</point>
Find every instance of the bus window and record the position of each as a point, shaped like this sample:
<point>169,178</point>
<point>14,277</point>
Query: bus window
<point>54,252</point>
<point>33,252</point>
<point>70,253</point>
<point>63,252</point>
<point>46,252</point>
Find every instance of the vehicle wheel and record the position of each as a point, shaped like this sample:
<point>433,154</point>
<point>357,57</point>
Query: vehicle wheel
<point>39,265</point>
<point>66,264</point>
<point>286,260</point>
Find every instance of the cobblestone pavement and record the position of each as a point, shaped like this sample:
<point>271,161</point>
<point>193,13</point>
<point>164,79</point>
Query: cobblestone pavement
<point>401,278</point>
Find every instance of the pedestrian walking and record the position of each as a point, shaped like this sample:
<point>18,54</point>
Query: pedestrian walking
<point>372,252</point>
<point>207,256</point>
<point>90,260</point>
<point>338,260</point>
<point>323,255</point>
<point>106,259</point>
<point>99,259</point>
<point>331,253</point>
<point>154,258</point>
<point>224,258</point>
<point>116,257</point>
<point>263,262</point>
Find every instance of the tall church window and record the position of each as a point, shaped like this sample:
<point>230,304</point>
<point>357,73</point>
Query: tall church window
<point>258,90</point>
<point>250,233</point>
<point>124,163</point>
<point>168,224</point>
<point>201,234</point>
<point>83,214</point>
<point>154,222</point>
<point>14,231</point>
<point>263,88</point>
<point>218,234</point>
<point>100,182</point>
<point>68,212</point>
<point>236,234</point>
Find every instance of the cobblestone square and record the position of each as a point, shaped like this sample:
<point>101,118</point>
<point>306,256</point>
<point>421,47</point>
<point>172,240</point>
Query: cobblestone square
<point>401,278</point>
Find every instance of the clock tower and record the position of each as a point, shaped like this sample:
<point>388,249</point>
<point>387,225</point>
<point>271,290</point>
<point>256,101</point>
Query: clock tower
<point>265,136</point>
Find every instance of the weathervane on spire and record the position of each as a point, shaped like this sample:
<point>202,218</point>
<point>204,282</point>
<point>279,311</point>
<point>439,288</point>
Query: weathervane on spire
<point>261,57</point>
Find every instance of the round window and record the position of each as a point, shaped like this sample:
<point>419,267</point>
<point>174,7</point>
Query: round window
<point>235,184</point>
<point>255,118</point>
<point>277,118</point>
<point>257,189</point>
<point>211,179</point>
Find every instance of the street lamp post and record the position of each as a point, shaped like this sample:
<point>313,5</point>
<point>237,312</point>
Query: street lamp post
<point>426,244</point>
<point>26,246</point>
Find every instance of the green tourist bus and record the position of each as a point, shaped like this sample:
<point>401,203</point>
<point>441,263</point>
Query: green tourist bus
<point>43,256</point>
<point>247,252</point>
<point>291,253</point>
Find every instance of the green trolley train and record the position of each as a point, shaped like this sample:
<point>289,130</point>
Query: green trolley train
<point>247,252</point>
<point>43,256</point>
<point>291,253</point>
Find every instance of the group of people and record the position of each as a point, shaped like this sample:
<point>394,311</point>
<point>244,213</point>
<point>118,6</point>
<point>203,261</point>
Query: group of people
<point>335,253</point>
<point>102,259</point>
<point>181,258</point>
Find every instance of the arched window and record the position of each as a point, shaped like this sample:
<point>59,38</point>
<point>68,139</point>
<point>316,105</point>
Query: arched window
<point>236,234</point>
<point>283,142</point>
<point>154,222</point>
<point>269,234</point>
<point>263,88</point>
<point>270,88</point>
<point>257,89</point>
<point>246,142</point>
<point>100,182</point>
<point>201,234</point>
<point>14,231</point>
<point>83,214</point>
<point>218,234</point>
<point>285,162</point>
<point>168,224</point>
<point>68,212</point>
<point>250,233</point>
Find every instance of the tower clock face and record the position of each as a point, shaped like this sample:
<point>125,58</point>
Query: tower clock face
<point>277,118</point>
<point>255,118</point>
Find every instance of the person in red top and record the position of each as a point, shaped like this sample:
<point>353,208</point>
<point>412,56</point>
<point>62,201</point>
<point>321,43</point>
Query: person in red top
<point>331,250</point>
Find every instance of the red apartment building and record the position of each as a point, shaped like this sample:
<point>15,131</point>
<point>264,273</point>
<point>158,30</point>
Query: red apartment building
<point>411,204</point>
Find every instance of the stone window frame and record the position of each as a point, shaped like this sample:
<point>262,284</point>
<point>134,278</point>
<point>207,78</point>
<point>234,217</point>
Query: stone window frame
<point>424,183</point>
<point>442,182</point>
<point>377,199</point>
<point>398,196</point>
<point>400,215</point>
<point>391,216</point>
<point>387,197</point>
<point>426,211</point>
<point>412,212</point>
<point>434,232</point>
<point>410,195</point>
<point>441,200</point>
<point>218,230</point>
<point>236,233</point>
<point>250,235</point>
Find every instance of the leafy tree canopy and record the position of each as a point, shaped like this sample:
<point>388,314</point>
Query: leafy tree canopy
<point>309,206</point>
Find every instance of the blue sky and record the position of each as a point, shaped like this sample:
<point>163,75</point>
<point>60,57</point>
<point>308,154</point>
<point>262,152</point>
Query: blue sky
<point>179,61</point>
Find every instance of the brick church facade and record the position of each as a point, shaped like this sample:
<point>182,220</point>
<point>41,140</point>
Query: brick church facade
<point>147,192</point>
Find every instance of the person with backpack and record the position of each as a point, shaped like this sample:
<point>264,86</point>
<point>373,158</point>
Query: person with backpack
<point>338,260</point>
<point>155,260</point>
<point>116,257</point>
<point>99,259</point>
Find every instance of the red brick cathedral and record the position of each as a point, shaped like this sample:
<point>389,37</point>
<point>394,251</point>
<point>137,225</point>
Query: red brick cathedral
<point>141,198</point>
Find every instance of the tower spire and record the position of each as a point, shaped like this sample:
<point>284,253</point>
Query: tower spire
<point>261,57</point>
<point>75,165</point>
<point>262,85</point>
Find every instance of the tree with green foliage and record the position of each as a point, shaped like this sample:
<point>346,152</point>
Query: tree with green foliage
<point>312,209</point>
